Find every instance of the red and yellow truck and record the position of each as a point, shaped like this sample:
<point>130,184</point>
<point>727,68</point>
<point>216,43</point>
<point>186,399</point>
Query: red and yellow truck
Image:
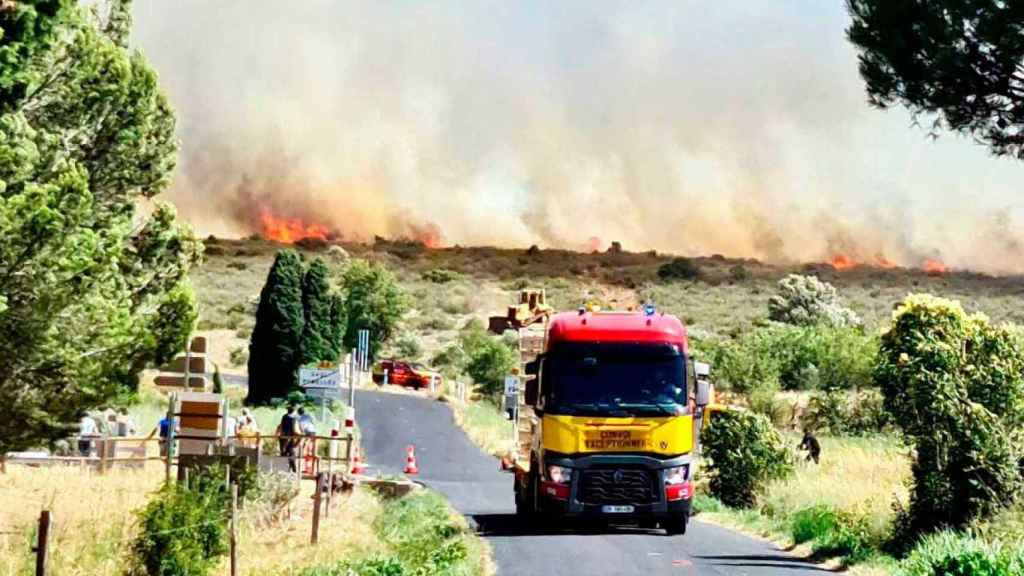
<point>609,409</point>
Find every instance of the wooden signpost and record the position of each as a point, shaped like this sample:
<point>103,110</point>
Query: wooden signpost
<point>187,371</point>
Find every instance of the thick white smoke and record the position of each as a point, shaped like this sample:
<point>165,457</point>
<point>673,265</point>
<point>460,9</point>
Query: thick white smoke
<point>680,125</point>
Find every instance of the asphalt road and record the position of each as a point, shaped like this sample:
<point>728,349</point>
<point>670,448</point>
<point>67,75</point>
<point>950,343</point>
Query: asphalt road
<point>472,482</point>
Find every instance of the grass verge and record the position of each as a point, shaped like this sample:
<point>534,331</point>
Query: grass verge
<point>486,426</point>
<point>421,535</point>
<point>839,510</point>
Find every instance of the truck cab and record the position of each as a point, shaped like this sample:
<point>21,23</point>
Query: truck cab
<point>611,429</point>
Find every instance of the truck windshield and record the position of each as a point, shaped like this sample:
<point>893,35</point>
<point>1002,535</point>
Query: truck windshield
<point>615,380</point>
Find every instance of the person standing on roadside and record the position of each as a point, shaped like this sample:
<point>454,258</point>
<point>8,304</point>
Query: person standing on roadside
<point>287,432</point>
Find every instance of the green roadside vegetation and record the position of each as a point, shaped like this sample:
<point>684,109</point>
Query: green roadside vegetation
<point>421,536</point>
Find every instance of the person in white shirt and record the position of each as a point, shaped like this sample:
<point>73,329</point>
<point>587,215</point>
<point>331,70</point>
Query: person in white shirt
<point>86,432</point>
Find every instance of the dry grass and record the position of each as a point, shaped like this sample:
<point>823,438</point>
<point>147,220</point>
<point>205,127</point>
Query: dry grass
<point>93,521</point>
<point>94,524</point>
<point>486,426</point>
<point>863,476</point>
<point>284,549</point>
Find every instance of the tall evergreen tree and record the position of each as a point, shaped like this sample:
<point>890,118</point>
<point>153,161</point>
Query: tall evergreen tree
<point>274,349</point>
<point>316,308</point>
<point>339,322</point>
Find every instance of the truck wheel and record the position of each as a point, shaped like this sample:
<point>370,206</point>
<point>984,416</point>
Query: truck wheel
<point>675,525</point>
<point>526,498</point>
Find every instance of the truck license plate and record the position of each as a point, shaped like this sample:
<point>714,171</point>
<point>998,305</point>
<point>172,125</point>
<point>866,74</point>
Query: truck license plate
<point>616,509</point>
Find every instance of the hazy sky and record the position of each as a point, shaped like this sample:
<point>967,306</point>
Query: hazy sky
<point>685,126</point>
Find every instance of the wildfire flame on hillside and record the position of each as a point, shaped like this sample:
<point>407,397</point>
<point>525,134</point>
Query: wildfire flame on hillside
<point>290,230</point>
<point>844,262</point>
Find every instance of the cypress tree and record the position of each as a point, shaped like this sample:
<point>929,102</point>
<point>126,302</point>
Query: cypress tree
<point>274,350</point>
<point>339,320</point>
<point>316,307</point>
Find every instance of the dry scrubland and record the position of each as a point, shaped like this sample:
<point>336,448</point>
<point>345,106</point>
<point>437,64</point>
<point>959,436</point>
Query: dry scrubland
<point>729,297</point>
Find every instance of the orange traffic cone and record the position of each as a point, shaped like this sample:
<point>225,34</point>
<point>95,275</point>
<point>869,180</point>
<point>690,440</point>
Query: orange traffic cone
<point>357,462</point>
<point>410,460</point>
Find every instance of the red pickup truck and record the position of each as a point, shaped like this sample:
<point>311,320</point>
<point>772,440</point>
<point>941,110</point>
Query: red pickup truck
<point>402,373</point>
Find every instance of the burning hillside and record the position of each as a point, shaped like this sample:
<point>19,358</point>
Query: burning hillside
<point>290,230</point>
<point>843,262</point>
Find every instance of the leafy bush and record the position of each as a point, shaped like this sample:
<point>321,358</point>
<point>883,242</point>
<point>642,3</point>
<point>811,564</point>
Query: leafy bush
<point>805,300</point>
<point>739,273</point>
<point>744,452</point>
<point>441,276</point>
<point>794,358</point>
<point>182,533</point>
<point>679,269</point>
<point>955,386</point>
<point>834,533</point>
<point>842,413</point>
<point>424,537</point>
<point>955,554</point>
<point>811,523</point>
<point>409,347</point>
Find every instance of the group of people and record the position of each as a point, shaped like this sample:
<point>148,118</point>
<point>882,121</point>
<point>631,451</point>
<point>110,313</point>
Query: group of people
<point>295,424</point>
<point>107,424</point>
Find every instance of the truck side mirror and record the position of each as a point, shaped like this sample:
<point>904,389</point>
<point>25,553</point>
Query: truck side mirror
<point>703,393</point>
<point>530,392</point>
<point>702,370</point>
<point>532,367</point>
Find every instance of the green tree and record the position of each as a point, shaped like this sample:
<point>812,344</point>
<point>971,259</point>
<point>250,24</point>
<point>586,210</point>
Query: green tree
<point>317,302</point>
<point>87,295</point>
<point>338,325</point>
<point>374,302</point>
<point>954,384</point>
<point>489,360</point>
<point>958,61</point>
<point>274,348</point>
<point>26,29</point>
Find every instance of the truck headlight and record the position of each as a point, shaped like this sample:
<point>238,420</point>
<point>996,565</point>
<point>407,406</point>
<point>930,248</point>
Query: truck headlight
<point>677,475</point>
<point>560,474</point>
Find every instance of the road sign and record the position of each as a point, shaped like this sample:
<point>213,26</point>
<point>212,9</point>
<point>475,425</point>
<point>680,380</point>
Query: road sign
<point>324,393</point>
<point>310,378</point>
<point>511,385</point>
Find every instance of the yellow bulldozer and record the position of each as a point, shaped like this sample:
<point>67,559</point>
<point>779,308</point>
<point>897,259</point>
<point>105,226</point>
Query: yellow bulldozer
<point>530,309</point>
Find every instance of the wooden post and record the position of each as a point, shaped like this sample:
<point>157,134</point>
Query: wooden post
<point>184,477</point>
<point>234,530</point>
<point>227,477</point>
<point>316,510</point>
<point>102,450</point>
<point>43,542</point>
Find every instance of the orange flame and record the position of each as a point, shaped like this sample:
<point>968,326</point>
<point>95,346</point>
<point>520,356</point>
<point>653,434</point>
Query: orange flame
<point>290,230</point>
<point>934,267</point>
<point>843,262</point>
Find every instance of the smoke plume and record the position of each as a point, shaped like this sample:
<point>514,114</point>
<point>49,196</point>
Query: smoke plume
<point>684,126</point>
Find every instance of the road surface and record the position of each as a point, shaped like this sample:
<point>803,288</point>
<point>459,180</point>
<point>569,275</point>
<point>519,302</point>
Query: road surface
<point>471,481</point>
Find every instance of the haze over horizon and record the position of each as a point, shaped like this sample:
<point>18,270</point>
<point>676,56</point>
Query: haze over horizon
<point>685,127</point>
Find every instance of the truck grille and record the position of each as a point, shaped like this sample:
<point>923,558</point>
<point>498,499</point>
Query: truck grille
<point>616,486</point>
